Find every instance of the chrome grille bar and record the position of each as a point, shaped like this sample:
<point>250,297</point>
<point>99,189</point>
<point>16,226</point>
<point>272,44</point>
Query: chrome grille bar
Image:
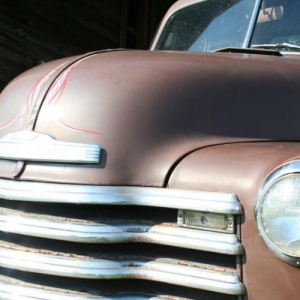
<point>225,203</point>
<point>16,289</point>
<point>44,224</point>
<point>60,228</point>
<point>189,274</point>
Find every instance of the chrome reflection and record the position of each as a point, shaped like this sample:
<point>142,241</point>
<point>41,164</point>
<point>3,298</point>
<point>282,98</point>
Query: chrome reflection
<point>16,289</point>
<point>73,230</point>
<point>225,203</point>
<point>172,271</point>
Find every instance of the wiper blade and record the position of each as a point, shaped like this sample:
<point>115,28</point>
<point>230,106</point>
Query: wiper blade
<point>279,46</point>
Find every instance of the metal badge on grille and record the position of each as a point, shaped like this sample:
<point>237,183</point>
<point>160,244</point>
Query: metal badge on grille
<point>35,146</point>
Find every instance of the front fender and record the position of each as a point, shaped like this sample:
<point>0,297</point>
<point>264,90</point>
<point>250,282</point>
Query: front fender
<point>241,169</point>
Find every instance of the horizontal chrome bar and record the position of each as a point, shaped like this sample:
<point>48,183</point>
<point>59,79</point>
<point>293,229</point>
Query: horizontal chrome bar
<point>85,194</point>
<point>59,228</point>
<point>15,289</point>
<point>177,272</point>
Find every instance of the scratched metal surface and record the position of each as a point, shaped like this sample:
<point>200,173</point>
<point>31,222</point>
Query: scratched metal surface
<point>144,129</point>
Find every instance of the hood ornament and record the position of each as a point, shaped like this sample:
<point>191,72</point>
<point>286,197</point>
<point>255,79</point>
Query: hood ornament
<point>35,146</point>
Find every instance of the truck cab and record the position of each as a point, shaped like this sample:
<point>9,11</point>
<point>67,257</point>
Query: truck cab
<point>171,173</point>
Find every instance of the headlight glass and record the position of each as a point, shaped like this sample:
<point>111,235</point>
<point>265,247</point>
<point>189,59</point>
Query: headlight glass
<point>278,217</point>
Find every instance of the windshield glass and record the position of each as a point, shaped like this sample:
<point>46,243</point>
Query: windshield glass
<point>208,25</point>
<point>278,25</point>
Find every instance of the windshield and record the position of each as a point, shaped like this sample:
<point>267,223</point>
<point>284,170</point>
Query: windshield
<point>214,24</point>
<point>278,25</point>
<point>208,25</point>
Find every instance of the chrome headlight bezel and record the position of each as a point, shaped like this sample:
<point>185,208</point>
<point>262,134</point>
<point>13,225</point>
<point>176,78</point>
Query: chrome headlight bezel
<point>286,171</point>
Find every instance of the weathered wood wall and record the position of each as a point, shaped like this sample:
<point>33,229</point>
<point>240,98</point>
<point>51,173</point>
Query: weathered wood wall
<point>35,31</point>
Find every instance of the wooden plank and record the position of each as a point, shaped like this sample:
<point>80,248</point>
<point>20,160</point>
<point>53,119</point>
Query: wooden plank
<point>9,70</point>
<point>109,12</point>
<point>72,17</point>
<point>35,36</point>
<point>17,44</point>
<point>17,56</point>
<point>124,24</point>
<point>111,9</point>
<point>60,33</point>
<point>62,22</point>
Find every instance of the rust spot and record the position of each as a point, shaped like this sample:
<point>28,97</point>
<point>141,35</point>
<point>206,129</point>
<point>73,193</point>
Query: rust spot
<point>137,229</point>
<point>131,265</point>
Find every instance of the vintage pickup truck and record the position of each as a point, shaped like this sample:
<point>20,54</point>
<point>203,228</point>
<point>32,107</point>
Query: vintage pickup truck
<point>172,173</point>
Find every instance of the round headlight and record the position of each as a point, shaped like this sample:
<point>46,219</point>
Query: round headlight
<point>278,213</point>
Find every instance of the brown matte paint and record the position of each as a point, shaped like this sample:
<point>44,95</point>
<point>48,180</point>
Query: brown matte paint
<point>147,110</point>
<point>241,169</point>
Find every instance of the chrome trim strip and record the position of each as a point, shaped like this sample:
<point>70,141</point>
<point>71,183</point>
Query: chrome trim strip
<point>35,146</point>
<point>216,202</point>
<point>188,274</point>
<point>252,24</point>
<point>11,289</point>
<point>89,232</point>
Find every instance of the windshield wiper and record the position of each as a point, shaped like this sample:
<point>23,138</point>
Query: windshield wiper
<point>279,47</point>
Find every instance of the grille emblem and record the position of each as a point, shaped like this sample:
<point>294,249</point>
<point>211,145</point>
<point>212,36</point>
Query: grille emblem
<point>35,146</point>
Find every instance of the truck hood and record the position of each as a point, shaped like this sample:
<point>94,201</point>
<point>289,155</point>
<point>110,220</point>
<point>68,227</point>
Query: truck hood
<point>148,110</point>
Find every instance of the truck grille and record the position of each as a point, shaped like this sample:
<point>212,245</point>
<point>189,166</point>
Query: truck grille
<point>62,241</point>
